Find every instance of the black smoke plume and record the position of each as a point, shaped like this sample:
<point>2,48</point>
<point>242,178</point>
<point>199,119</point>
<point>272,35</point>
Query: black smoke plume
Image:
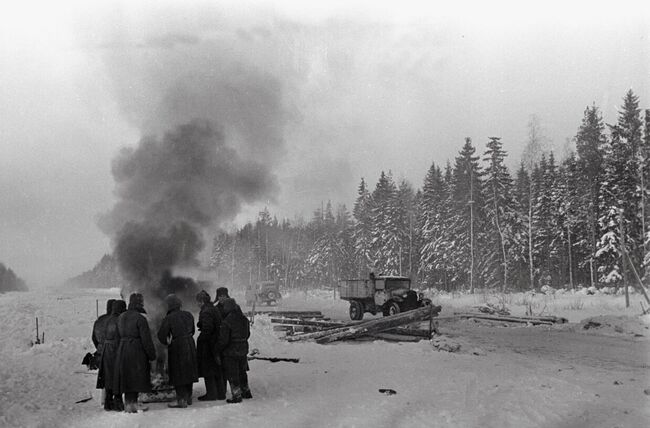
<point>170,190</point>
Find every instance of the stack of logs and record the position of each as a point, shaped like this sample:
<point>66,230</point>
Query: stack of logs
<point>395,327</point>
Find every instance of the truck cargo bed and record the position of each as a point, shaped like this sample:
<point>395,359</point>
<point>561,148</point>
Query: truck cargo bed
<point>356,289</point>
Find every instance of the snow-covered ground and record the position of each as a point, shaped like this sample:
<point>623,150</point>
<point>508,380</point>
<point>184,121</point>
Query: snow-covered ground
<point>518,376</point>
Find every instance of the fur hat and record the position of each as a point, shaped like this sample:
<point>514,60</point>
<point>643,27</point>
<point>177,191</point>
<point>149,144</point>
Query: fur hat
<point>222,292</point>
<point>119,306</point>
<point>109,306</point>
<point>136,302</point>
<point>173,302</point>
<point>203,297</point>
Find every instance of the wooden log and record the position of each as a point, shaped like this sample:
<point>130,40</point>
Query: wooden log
<point>312,336</point>
<point>314,326</point>
<point>549,318</point>
<point>296,314</point>
<point>274,359</point>
<point>314,323</point>
<point>522,320</point>
<point>376,326</point>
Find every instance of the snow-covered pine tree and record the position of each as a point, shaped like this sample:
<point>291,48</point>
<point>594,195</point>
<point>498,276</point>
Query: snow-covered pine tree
<point>645,186</point>
<point>467,220</point>
<point>549,223</point>
<point>322,263</point>
<point>590,145</point>
<point>433,219</point>
<point>500,208</point>
<point>385,231</point>
<point>520,253</point>
<point>345,242</point>
<point>620,195</point>
<point>222,253</point>
<point>405,223</point>
<point>630,127</point>
<point>574,212</point>
<point>361,231</point>
<point>417,240</point>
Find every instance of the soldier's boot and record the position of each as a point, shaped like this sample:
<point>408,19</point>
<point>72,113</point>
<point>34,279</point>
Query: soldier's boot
<point>210,389</point>
<point>131,408</point>
<point>181,403</point>
<point>118,405</point>
<point>236,395</point>
<point>108,401</point>
<point>190,391</point>
<point>246,393</point>
<point>220,386</point>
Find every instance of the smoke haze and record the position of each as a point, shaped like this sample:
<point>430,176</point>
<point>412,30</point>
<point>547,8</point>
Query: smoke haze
<point>316,97</point>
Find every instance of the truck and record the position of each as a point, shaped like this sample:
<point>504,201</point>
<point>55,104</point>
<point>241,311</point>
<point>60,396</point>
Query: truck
<point>387,294</point>
<point>267,292</point>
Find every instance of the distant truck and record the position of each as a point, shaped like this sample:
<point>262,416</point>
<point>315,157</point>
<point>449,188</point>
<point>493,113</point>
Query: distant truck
<point>267,292</point>
<point>386,294</point>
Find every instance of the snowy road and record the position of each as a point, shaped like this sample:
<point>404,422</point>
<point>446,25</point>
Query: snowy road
<point>502,377</point>
<point>559,345</point>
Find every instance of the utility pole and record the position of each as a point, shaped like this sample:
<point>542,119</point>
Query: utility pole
<point>623,255</point>
<point>471,228</point>
<point>568,233</point>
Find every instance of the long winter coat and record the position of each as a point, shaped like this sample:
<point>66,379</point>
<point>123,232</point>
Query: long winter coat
<point>107,359</point>
<point>234,333</point>
<point>181,356</point>
<point>99,336</point>
<point>99,332</point>
<point>134,353</point>
<point>209,325</point>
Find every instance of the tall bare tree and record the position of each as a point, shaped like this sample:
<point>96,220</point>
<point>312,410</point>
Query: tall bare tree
<point>535,146</point>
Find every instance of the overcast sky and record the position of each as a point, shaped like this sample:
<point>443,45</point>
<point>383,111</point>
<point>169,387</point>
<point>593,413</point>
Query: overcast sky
<point>324,95</point>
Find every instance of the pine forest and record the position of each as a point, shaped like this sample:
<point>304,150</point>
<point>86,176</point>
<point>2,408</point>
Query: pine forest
<point>580,219</point>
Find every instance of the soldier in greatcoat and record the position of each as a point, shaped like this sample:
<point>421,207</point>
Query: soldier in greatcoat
<point>177,331</point>
<point>208,361</point>
<point>233,347</point>
<point>107,365</point>
<point>134,354</point>
<point>99,333</point>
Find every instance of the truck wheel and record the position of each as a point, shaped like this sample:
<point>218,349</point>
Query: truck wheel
<point>356,310</point>
<point>425,302</point>
<point>392,309</point>
<point>271,295</point>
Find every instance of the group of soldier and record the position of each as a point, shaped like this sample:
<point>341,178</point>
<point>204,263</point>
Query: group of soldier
<point>125,350</point>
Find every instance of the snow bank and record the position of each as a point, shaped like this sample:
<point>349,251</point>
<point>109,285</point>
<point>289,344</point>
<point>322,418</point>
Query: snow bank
<point>333,385</point>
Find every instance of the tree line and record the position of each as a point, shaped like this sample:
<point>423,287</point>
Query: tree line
<point>579,220</point>
<point>9,281</point>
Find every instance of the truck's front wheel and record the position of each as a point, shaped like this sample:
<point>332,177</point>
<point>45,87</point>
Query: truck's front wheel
<point>392,309</point>
<point>356,310</point>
